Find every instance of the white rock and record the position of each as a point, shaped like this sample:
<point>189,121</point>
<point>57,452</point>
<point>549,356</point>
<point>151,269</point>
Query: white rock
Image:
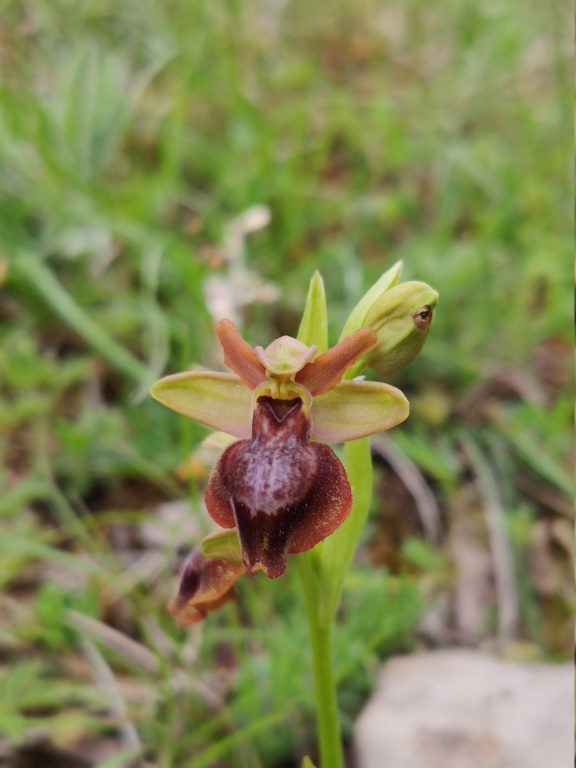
<point>465,709</point>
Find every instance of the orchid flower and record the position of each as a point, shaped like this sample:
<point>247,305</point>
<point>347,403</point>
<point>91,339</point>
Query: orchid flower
<point>205,584</point>
<point>278,488</point>
<point>280,485</point>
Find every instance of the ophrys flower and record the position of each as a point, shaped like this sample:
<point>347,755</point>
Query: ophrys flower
<point>281,486</point>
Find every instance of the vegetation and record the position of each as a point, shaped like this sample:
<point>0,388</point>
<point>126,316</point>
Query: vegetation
<point>163,163</point>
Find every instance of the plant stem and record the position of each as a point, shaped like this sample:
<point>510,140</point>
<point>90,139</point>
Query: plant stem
<point>320,630</point>
<point>326,702</point>
<point>335,554</point>
<point>322,571</point>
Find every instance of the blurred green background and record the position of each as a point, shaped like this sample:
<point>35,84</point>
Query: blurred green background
<point>164,163</point>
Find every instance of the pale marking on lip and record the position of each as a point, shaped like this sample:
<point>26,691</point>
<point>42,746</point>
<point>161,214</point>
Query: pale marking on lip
<point>276,472</point>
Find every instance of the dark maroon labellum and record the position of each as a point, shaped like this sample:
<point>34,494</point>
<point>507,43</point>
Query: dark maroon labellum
<point>283,492</point>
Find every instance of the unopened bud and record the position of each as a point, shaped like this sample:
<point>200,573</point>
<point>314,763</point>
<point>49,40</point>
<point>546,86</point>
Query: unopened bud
<point>402,317</point>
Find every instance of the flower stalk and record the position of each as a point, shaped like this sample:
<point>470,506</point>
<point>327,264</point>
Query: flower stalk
<point>322,572</point>
<point>320,629</point>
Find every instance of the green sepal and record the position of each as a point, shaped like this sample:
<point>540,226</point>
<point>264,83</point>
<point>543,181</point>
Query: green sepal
<point>314,325</point>
<point>356,409</point>
<point>222,545</point>
<point>356,318</point>
<point>220,400</point>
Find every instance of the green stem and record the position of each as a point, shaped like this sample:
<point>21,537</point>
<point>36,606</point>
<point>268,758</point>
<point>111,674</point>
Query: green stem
<point>320,630</point>
<point>322,571</point>
<point>326,703</point>
<point>335,554</point>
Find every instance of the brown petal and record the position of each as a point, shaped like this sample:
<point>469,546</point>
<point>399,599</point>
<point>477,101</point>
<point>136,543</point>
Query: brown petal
<point>239,356</point>
<point>324,373</point>
<point>283,493</point>
<point>205,585</point>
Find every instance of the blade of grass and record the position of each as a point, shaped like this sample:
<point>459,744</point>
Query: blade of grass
<point>118,641</point>
<point>44,283</point>
<point>499,540</point>
<point>128,758</point>
<point>106,682</point>
<point>224,746</point>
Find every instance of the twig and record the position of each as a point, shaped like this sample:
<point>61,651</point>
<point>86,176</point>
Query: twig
<point>45,283</point>
<point>508,610</point>
<point>119,642</point>
<point>412,478</point>
<point>106,682</point>
<point>142,657</point>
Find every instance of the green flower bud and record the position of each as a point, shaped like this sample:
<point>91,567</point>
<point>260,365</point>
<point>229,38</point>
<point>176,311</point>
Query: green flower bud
<point>357,318</point>
<point>402,317</point>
